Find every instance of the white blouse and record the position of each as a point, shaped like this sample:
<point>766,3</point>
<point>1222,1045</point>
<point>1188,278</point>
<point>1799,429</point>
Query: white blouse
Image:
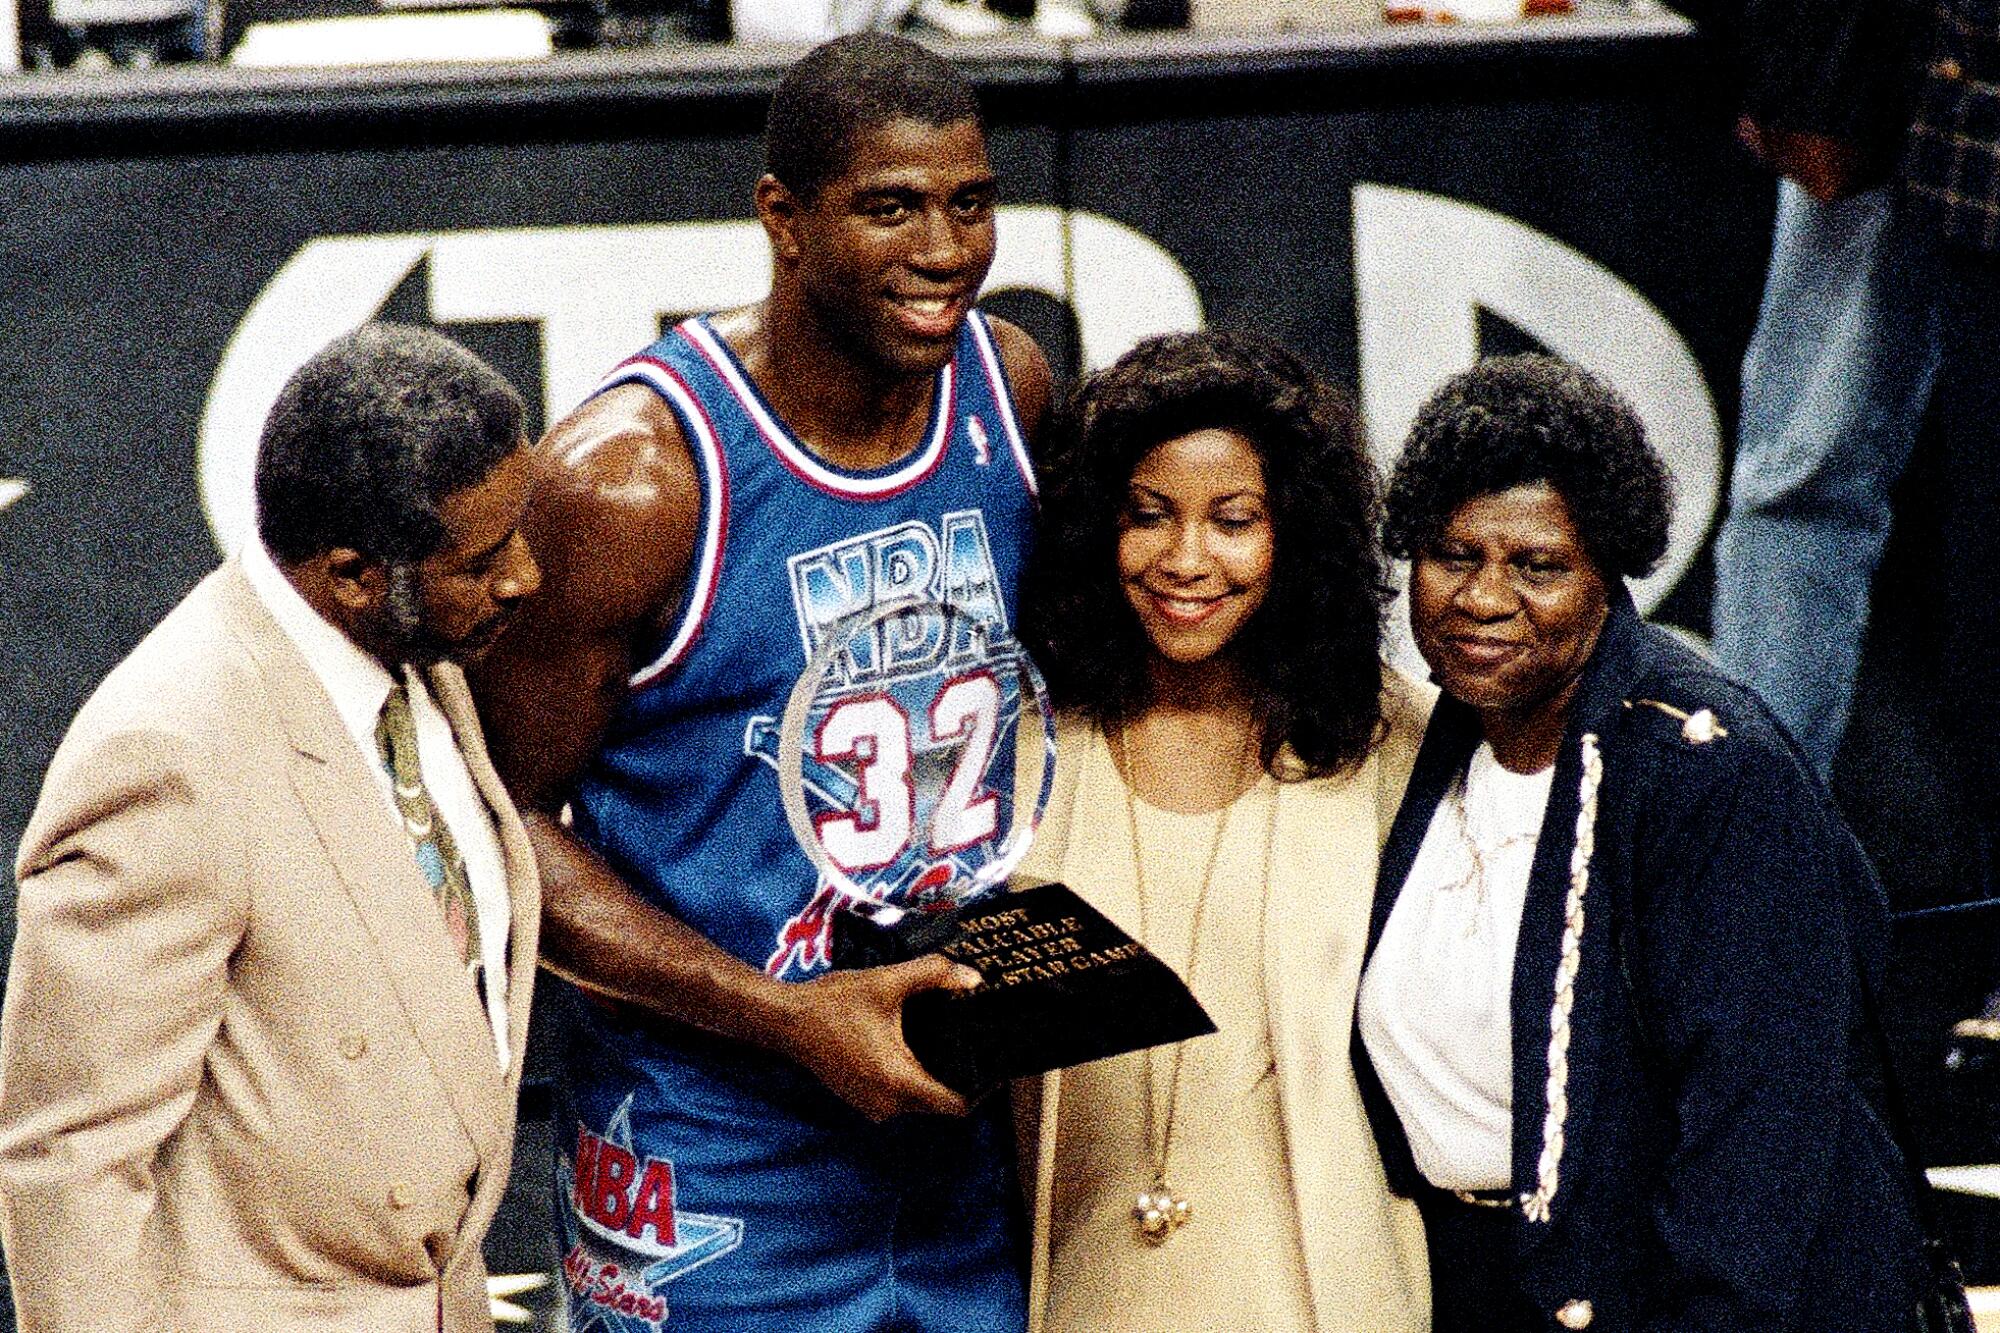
<point>1436,1001</point>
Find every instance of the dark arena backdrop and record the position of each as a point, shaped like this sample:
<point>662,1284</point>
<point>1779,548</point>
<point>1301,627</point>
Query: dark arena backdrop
<point>1390,203</point>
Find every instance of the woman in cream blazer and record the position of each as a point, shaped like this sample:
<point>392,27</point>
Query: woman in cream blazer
<point>1230,753</point>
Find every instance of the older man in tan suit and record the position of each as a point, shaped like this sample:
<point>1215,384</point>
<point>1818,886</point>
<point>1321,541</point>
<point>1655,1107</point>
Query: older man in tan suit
<point>263,1032</point>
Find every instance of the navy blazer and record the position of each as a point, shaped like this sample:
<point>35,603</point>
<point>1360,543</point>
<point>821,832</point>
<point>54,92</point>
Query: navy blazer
<point>1713,1156</point>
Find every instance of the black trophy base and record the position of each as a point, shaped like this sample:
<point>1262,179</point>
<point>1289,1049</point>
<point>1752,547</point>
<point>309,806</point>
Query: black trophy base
<point>859,942</point>
<point>1061,986</point>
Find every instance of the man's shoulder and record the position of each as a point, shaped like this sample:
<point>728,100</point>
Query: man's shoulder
<point>191,666</point>
<point>618,497</point>
<point>614,433</point>
<point>1028,372</point>
<point>188,698</point>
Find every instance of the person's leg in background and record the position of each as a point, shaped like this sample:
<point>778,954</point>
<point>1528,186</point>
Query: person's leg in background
<point>1834,386</point>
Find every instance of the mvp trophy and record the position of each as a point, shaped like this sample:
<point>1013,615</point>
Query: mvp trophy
<point>915,758</point>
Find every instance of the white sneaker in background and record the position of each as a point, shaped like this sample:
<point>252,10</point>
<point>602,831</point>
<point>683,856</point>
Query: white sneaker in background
<point>960,18</point>
<point>1063,20</point>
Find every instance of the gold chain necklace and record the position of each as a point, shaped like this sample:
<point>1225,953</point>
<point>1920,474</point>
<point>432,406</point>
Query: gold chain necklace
<point>1159,1212</point>
<point>1460,798</point>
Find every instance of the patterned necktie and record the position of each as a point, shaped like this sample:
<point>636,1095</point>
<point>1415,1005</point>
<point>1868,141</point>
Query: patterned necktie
<point>437,854</point>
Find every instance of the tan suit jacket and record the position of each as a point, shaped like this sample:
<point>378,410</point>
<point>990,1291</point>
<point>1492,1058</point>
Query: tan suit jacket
<point>1364,1248</point>
<point>244,1085</point>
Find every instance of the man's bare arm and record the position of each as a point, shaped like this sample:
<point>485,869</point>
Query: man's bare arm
<point>614,521</point>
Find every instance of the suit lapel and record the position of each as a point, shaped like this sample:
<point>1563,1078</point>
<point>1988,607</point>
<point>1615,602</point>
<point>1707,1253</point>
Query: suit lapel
<point>1449,740</point>
<point>375,866</point>
<point>1076,746</point>
<point>1554,1123</point>
<point>1312,946</point>
<point>1537,953</point>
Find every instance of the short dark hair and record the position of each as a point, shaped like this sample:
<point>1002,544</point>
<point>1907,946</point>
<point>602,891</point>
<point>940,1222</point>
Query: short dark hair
<point>1312,650</point>
<point>371,436</point>
<point>1518,420</point>
<point>847,86</point>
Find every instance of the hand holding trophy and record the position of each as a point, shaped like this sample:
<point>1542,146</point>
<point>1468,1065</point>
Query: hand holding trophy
<point>915,795</point>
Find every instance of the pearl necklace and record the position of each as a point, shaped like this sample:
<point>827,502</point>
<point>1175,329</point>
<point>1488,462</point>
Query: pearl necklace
<point>1476,878</point>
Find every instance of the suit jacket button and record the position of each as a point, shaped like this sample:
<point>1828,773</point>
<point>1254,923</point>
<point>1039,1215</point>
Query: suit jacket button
<point>354,1045</point>
<point>1948,69</point>
<point>399,1197</point>
<point>1575,1314</point>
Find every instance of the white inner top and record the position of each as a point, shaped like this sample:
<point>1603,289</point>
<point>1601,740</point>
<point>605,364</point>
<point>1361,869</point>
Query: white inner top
<point>358,685</point>
<point>1435,1007</point>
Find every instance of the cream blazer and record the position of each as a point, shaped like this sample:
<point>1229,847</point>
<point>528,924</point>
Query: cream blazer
<point>1315,930</point>
<point>244,1084</point>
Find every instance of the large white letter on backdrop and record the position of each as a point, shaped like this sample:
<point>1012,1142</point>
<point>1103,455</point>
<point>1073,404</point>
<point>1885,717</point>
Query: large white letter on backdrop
<point>600,293</point>
<point>1424,267</point>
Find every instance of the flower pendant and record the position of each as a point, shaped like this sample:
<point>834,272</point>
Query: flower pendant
<point>1159,1213</point>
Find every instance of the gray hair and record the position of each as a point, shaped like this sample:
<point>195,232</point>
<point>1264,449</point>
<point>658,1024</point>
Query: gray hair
<point>371,436</point>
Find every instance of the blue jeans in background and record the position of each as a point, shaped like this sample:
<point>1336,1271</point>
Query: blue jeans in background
<point>1834,386</point>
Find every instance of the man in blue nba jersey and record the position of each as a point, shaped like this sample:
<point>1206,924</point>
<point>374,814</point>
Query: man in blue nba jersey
<point>754,1147</point>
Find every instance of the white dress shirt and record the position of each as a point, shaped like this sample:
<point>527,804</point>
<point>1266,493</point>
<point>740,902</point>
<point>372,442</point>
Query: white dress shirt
<point>1436,1003</point>
<point>358,685</point>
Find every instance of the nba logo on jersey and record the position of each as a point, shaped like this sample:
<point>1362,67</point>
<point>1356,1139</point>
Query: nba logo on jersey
<point>623,1240</point>
<point>907,562</point>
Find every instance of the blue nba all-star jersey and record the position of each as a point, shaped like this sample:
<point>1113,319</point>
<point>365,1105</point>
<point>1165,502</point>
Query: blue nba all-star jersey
<point>708,1185</point>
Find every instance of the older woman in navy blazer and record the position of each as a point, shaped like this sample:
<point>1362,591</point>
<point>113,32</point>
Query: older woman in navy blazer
<point>1668,1120</point>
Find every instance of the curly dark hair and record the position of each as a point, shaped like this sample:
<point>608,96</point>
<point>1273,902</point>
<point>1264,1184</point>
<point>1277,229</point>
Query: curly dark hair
<point>1516,420</point>
<point>1311,651</point>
